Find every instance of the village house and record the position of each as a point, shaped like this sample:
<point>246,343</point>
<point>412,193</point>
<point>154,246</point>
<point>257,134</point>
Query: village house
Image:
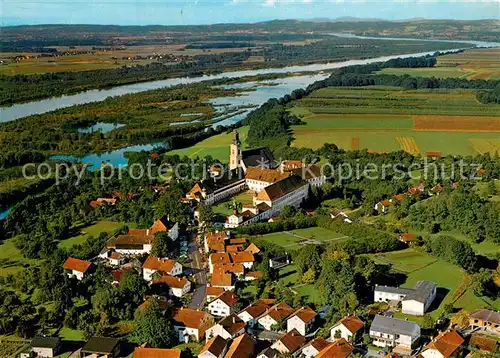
<point>338,349</point>
<point>228,327</point>
<point>383,206</point>
<point>76,268</point>
<point>254,275</point>
<point>242,347</point>
<point>223,305</point>
<point>268,353</point>
<point>486,320</point>
<point>45,346</point>
<point>289,343</point>
<point>222,280</point>
<point>115,258</point>
<point>161,302</point>
<point>347,328</point>
<point>163,225</point>
<point>216,241</point>
<point>191,324</point>
<point>245,258</point>
<point>101,347</point>
<point>408,238</point>
<point>392,332</point>
<point>177,286</point>
<point>153,265</point>
<point>251,313</point>
<point>212,293</point>
<point>216,347</point>
<point>144,352</point>
<point>415,300</point>
<point>445,345</point>
<point>312,348</point>
<point>253,249</point>
<point>238,270</point>
<point>302,320</point>
<point>274,315</point>
<point>336,213</point>
<point>218,259</point>
<point>484,343</point>
<point>216,188</point>
<point>94,204</point>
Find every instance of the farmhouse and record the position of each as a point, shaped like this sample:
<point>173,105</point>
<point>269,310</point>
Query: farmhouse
<point>415,300</point>
<point>222,306</point>
<point>143,352</point>
<point>486,320</point>
<point>347,327</point>
<point>101,347</point>
<point>46,346</point>
<point>191,323</point>
<point>392,332</point>
<point>312,349</point>
<point>153,265</point>
<point>274,315</point>
<point>76,268</point>
<point>228,327</point>
<point>338,349</point>
<point>445,345</point>
<point>302,320</point>
<point>216,347</point>
<point>290,342</point>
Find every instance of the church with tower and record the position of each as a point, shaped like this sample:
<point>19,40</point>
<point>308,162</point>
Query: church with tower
<point>273,184</point>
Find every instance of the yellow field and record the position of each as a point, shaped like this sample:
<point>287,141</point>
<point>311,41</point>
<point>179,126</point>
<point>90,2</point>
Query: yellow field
<point>481,63</point>
<point>485,145</point>
<point>409,145</point>
<point>457,123</point>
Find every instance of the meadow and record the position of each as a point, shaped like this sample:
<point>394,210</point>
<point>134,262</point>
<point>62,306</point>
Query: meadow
<point>471,64</point>
<point>292,240</point>
<point>11,259</point>
<point>289,277</point>
<point>384,119</point>
<point>90,231</point>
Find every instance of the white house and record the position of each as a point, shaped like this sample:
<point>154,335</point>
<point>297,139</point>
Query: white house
<point>216,347</point>
<point>223,305</point>
<point>415,300</point>
<point>177,286</point>
<point>163,225</point>
<point>76,268</point>
<point>445,345</point>
<point>251,313</point>
<point>289,343</point>
<point>274,315</point>
<point>164,266</point>
<point>312,349</point>
<point>302,320</point>
<point>383,206</point>
<point>131,244</point>
<point>46,346</point>
<point>347,328</point>
<point>228,328</point>
<point>191,324</point>
<point>243,257</point>
<point>392,332</point>
<point>268,353</point>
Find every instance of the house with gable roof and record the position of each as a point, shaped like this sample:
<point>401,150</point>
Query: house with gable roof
<point>290,342</point>
<point>222,306</point>
<point>445,345</point>
<point>216,347</point>
<point>348,327</point>
<point>274,315</point>
<point>302,320</point>
<point>164,266</point>
<point>228,327</point>
<point>76,268</point>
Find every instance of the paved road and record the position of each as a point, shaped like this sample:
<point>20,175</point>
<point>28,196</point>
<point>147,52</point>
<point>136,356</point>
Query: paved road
<point>200,277</point>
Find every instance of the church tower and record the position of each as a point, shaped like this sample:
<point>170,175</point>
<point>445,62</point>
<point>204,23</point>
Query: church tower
<point>235,154</point>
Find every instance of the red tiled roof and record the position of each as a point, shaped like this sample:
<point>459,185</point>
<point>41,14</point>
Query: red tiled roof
<point>234,248</point>
<point>319,343</point>
<point>77,265</point>
<point>230,268</point>
<point>255,274</point>
<point>265,175</point>
<point>386,202</point>
<point>240,257</point>
<point>156,353</point>
<point>293,340</point>
<point>352,323</point>
<point>187,317</point>
<point>399,197</point>
<point>220,258</point>
<point>228,297</point>
<point>407,237</point>
<point>446,343</point>
<point>280,311</point>
<point>115,255</point>
<point>172,281</point>
<point>138,232</point>
<point>214,291</point>
<point>215,346</point>
<point>484,343</point>
<point>252,248</point>
<point>238,241</point>
<point>242,347</point>
<point>154,263</point>
<point>221,279</point>
<point>338,349</point>
<point>232,323</point>
<point>306,314</point>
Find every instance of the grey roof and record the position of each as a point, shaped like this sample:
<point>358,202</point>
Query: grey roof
<point>269,353</point>
<point>394,326</point>
<point>45,342</point>
<point>486,315</point>
<point>102,345</point>
<point>421,292</point>
<point>397,290</point>
<point>258,157</point>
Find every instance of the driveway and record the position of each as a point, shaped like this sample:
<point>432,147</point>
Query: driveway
<point>200,276</point>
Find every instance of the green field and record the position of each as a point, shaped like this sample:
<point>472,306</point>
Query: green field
<point>246,198</point>
<point>11,259</point>
<point>384,119</point>
<point>440,72</point>
<point>290,277</point>
<point>452,282</point>
<point>292,239</point>
<point>216,146</point>
<point>92,230</point>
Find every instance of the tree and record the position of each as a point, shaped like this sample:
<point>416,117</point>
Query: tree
<point>153,328</point>
<point>206,215</point>
<point>309,276</point>
<point>309,257</point>
<point>428,322</point>
<point>448,308</point>
<point>162,245</point>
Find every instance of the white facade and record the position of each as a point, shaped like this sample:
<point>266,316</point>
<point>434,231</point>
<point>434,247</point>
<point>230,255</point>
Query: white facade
<point>44,352</point>
<point>309,351</point>
<point>219,308</point>
<point>296,323</point>
<point>413,307</point>
<point>344,332</point>
<point>176,270</point>
<point>432,353</point>
<point>218,330</point>
<point>184,333</point>
<point>179,292</point>
<point>76,274</point>
<point>233,221</point>
<point>146,249</point>
<point>173,233</point>
<point>247,318</point>
<point>256,185</point>
<point>266,322</point>
<point>384,296</point>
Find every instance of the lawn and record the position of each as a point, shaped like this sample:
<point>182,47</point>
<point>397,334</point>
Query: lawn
<point>93,230</point>
<point>245,198</point>
<point>216,146</point>
<point>290,277</point>
<point>11,259</point>
<point>195,347</point>
<point>292,239</point>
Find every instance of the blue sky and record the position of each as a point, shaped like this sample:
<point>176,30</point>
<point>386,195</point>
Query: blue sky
<point>186,12</point>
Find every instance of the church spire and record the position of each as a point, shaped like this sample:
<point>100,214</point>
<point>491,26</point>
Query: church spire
<point>236,137</point>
